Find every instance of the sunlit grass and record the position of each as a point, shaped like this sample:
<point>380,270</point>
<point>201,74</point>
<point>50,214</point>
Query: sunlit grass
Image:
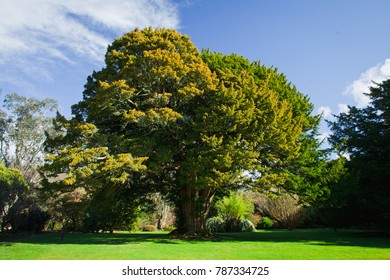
<point>308,244</point>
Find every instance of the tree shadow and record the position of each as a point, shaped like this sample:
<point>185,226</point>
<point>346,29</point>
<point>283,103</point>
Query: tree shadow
<point>91,239</point>
<point>318,237</point>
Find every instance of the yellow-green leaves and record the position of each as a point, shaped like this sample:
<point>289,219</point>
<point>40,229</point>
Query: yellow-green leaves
<point>151,78</point>
<point>11,183</point>
<point>84,129</point>
<point>12,187</point>
<point>161,116</point>
<point>95,166</point>
<point>133,116</point>
<point>259,121</point>
<point>152,118</point>
<point>118,168</point>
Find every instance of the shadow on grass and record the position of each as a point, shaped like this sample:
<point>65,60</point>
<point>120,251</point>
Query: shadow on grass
<point>90,238</point>
<point>319,237</point>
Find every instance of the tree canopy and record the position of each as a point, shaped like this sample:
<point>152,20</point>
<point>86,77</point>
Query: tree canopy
<point>363,134</point>
<point>12,188</point>
<point>23,125</point>
<point>163,117</point>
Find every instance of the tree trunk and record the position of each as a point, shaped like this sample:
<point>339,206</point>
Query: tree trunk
<point>2,224</point>
<point>187,211</point>
<point>194,209</point>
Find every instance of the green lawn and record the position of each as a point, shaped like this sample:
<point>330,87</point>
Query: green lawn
<point>303,244</point>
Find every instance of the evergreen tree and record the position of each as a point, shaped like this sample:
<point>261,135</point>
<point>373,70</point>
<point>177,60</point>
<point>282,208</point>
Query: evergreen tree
<point>163,117</point>
<point>364,135</point>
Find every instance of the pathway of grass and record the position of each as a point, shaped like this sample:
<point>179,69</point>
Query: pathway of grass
<point>310,244</point>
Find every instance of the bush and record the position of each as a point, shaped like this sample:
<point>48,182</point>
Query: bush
<point>235,207</point>
<point>215,224</point>
<point>169,228</point>
<point>246,226</point>
<point>112,209</point>
<point>265,222</point>
<point>287,211</point>
<point>26,215</point>
<point>234,211</point>
<point>149,228</point>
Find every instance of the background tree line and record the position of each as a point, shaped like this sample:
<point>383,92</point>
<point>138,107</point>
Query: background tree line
<point>24,123</point>
<point>165,124</point>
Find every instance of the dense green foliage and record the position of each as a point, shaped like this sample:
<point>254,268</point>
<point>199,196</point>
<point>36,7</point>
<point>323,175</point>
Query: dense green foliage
<point>23,127</point>
<point>26,215</point>
<point>234,210</point>
<point>163,117</point>
<point>12,188</point>
<point>111,208</point>
<point>363,196</point>
<point>274,127</point>
<point>234,207</point>
<point>265,222</point>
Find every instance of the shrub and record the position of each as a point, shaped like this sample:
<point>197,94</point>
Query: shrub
<point>246,226</point>
<point>234,207</point>
<point>149,228</point>
<point>265,222</point>
<point>287,211</point>
<point>215,224</point>
<point>169,228</point>
<point>26,215</point>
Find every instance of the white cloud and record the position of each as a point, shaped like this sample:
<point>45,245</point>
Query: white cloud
<point>325,111</point>
<point>35,34</point>
<point>377,74</point>
<point>343,108</point>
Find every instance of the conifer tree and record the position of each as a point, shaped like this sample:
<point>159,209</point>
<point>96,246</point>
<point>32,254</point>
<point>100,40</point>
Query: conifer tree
<point>364,135</point>
<point>163,117</point>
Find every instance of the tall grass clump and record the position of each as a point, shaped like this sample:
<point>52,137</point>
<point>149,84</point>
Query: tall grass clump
<point>235,210</point>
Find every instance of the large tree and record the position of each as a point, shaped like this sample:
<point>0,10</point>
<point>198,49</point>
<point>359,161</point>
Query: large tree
<point>163,117</point>
<point>363,134</point>
<point>23,125</point>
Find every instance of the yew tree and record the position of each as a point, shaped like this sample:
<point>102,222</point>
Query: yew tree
<point>162,116</point>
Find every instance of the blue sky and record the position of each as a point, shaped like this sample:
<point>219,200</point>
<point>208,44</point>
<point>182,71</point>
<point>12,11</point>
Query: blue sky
<point>330,49</point>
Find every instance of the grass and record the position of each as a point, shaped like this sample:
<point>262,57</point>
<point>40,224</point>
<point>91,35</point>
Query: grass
<point>303,244</point>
